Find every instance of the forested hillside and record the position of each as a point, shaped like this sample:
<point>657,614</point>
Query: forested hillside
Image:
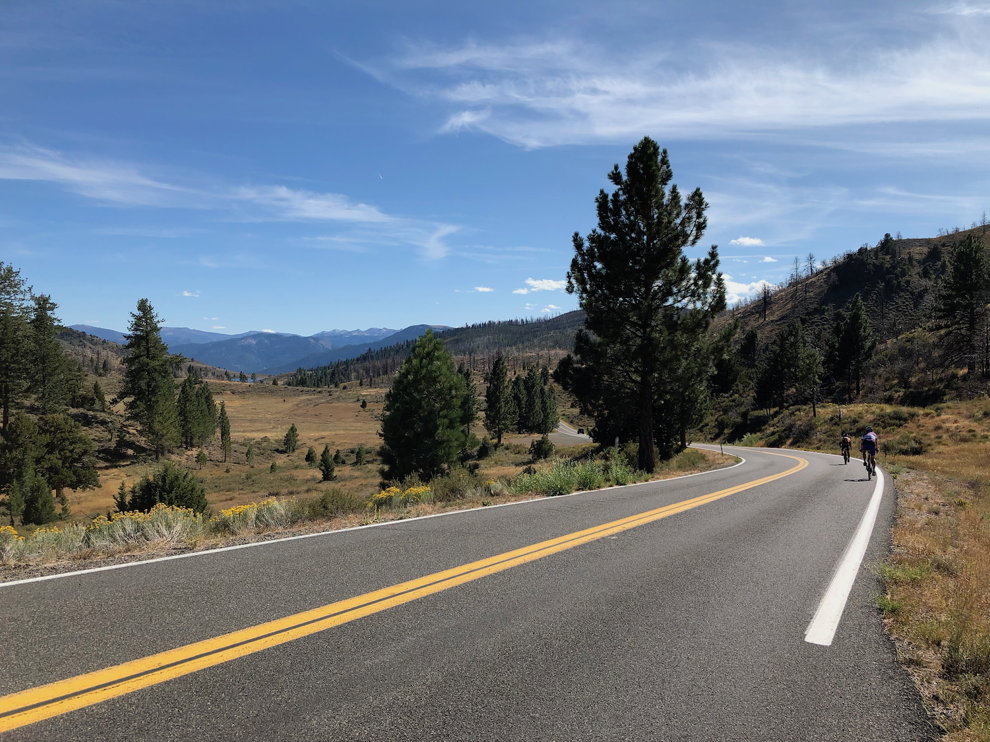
<point>522,343</point>
<point>904,321</point>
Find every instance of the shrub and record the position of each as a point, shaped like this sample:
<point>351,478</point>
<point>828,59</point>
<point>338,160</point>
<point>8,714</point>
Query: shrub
<point>12,546</point>
<point>234,521</point>
<point>541,448</point>
<point>689,458</point>
<point>163,524</point>
<point>456,485</point>
<point>170,486</point>
<point>334,502</point>
<point>485,449</point>
<point>590,475</point>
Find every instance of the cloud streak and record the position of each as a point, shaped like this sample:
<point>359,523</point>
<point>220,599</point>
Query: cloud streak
<point>556,92</point>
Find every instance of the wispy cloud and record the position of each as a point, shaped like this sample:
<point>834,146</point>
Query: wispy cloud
<point>124,184</point>
<point>746,241</point>
<point>219,327</point>
<point>544,284</point>
<point>483,289</point>
<point>768,259</point>
<point>194,294</point>
<point>570,91</point>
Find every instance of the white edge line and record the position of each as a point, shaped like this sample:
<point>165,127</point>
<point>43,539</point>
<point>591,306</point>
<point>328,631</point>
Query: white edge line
<point>208,552</point>
<point>823,626</point>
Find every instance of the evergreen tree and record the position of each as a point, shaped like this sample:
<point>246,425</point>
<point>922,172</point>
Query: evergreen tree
<point>856,344</point>
<point>68,458</point>
<point>534,392</point>
<point>207,416</point>
<point>810,372</point>
<point>39,506</point>
<point>201,458</point>
<point>250,456</point>
<point>469,402</point>
<point>48,361</point>
<point>327,465</point>
<point>421,420</point>
<point>963,301</point>
<point>311,456</point>
<point>242,377</point>
<point>190,423</point>
<point>254,378</point>
<point>520,404</point>
<point>224,432</point>
<point>99,398</point>
<point>498,405</point>
<point>643,298</point>
<point>338,459</point>
<point>148,380</point>
<point>14,340</point>
<point>291,441</point>
<point>121,499</point>
<point>550,415</point>
<point>364,404</point>
<point>20,447</point>
<point>170,485</point>
<point>359,455</point>
<point>15,502</point>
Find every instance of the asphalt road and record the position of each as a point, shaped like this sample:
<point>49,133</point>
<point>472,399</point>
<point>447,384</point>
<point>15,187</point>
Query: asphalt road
<point>689,627</point>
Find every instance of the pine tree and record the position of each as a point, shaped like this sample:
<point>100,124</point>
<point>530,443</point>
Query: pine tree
<point>963,301</point>
<point>469,402</point>
<point>68,458</point>
<point>224,432</point>
<point>311,456</point>
<point>421,419</point>
<point>498,404</point>
<point>327,465</point>
<point>206,414</point>
<point>148,380</point>
<point>250,456</point>
<point>121,499</point>
<point>359,455</point>
<point>48,361</point>
<point>190,422</point>
<point>338,458</point>
<point>242,377</point>
<point>99,398</point>
<point>856,343</point>
<point>39,506</point>
<point>291,440</point>
<point>642,297</point>
<point>14,340</point>
<point>201,458</point>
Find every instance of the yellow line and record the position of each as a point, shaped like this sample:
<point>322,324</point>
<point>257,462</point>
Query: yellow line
<point>46,701</point>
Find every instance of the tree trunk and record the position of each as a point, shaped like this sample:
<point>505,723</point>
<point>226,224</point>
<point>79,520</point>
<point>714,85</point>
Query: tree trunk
<point>647,461</point>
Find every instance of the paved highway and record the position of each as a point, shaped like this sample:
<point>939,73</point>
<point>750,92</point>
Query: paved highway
<point>704,608</point>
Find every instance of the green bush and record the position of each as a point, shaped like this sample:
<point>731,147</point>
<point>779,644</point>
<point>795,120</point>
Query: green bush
<point>334,502</point>
<point>541,448</point>
<point>170,485</point>
<point>590,475</point>
<point>689,458</point>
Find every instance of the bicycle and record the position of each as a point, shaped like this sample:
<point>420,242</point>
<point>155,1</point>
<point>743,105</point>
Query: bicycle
<point>871,465</point>
<point>845,455</point>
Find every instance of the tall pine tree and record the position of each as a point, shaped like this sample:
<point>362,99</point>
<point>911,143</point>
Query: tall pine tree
<point>421,420</point>
<point>48,377</point>
<point>148,381</point>
<point>224,432</point>
<point>14,340</point>
<point>498,401</point>
<point>644,300</point>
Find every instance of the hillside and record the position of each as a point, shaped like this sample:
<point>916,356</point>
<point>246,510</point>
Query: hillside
<point>521,342</point>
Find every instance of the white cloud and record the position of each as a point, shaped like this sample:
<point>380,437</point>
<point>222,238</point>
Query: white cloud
<point>543,284</point>
<point>483,289</point>
<point>555,92</point>
<point>552,306</point>
<point>219,327</point>
<point>735,291</point>
<point>211,319</point>
<point>190,293</point>
<point>293,205</point>
<point>746,241</point>
<point>768,259</point>
<point>272,331</point>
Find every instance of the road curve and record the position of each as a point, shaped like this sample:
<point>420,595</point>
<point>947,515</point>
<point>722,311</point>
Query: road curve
<point>685,624</point>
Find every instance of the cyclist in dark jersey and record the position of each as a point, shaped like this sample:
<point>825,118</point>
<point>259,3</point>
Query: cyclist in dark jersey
<point>845,445</point>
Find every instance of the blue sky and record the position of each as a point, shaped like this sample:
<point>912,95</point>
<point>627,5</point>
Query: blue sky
<point>302,166</point>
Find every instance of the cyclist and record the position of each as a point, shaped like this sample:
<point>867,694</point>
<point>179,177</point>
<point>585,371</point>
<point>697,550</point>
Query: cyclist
<point>845,446</point>
<point>868,445</point>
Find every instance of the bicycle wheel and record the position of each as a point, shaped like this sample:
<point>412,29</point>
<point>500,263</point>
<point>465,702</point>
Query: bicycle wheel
<point>869,472</point>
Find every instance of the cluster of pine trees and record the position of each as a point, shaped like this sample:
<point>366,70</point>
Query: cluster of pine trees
<point>167,420</point>
<point>527,404</point>
<point>50,451</point>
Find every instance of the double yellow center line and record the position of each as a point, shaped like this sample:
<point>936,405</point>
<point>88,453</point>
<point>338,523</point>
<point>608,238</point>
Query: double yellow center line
<point>46,701</point>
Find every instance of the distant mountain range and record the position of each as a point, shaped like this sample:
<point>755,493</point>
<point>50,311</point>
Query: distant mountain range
<point>270,352</point>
